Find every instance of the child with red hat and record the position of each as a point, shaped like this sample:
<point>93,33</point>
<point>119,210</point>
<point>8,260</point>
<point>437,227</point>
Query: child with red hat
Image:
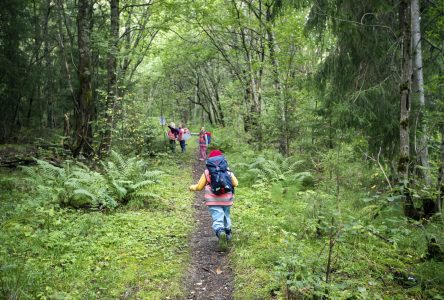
<point>218,203</point>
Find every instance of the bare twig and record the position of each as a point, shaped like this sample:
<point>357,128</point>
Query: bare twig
<point>380,166</point>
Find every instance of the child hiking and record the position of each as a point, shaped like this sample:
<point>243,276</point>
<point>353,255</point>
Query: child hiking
<point>219,183</point>
<point>203,144</point>
<point>181,137</point>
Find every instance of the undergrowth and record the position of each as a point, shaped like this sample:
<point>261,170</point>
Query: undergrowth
<point>118,181</point>
<point>51,248</point>
<point>304,236</point>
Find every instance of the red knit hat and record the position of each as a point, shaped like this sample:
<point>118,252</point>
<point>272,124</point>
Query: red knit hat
<point>215,153</point>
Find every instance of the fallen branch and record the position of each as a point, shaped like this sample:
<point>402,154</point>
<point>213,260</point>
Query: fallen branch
<point>14,163</point>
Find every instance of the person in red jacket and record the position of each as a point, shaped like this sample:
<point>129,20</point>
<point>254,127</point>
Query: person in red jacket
<point>172,136</point>
<point>218,205</point>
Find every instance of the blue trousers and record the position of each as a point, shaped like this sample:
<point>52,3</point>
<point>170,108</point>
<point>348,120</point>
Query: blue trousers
<point>182,145</point>
<point>221,217</point>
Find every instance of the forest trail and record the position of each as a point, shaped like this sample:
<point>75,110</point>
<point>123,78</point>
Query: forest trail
<point>210,275</point>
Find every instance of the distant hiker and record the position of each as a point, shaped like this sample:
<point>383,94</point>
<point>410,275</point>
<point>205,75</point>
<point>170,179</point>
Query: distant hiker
<point>219,183</point>
<point>187,133</point>
<point>172,136</point>
<point>181,137</point>
<point>173,129</point>
<point>203,144</point>
<point>208,137</point>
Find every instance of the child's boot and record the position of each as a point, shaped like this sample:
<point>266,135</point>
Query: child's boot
<point>228,233</point>
<point>222,236</point>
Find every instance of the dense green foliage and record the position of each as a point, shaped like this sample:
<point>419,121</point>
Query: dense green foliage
<point>50,251</point>
<point>283,238</point>
<point>341,177</point>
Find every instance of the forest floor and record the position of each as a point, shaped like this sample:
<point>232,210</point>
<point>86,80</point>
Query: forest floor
<point>210,275</point>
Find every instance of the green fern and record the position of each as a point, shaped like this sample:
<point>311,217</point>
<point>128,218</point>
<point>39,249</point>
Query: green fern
<point>129,178</point>
<point>153,175</point>
<point>75,184</point>
<point>279,169</point>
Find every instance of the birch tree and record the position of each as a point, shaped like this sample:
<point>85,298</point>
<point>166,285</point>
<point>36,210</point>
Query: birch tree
<point>421,149</point>
<point>405,88</point>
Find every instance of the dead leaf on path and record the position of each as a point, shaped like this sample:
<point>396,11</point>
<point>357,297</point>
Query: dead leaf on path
<point>218,271</point>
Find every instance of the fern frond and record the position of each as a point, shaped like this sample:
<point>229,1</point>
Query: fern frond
<point>289,166</point>
<point>145,194</point>
<point>255,171</point>
<point>153,175</point>
<point>106,200</point>
<point>259,161</point>
<point>118,160</point>
<point>83,192</point>
<point>120,190</point>
<point>142,184</point>
<point>241,165</point>
<point>271,171</point>
<point>48,170</point>
<point>82,166</point>
<point>304,178</point>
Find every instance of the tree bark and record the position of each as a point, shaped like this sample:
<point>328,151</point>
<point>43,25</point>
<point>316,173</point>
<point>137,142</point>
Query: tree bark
<point>83,129</point>
<point>253,91</point>
<point>112,93</point>
<point>281,101</point>
<point>440,197</point>
<point>48,65</point>
<point>405,86</point>
<point>61,41</point>
<point>422,152</point>
<point>214,81</point>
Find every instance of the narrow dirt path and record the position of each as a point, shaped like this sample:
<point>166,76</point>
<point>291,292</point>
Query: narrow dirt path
<point>209,275</point>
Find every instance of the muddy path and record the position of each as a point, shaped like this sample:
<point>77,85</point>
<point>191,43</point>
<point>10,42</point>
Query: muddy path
<point>210,275</point>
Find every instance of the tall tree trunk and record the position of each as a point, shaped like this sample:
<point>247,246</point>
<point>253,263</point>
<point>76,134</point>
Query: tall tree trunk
<point>422,152</point>
<point>281,105</point>
<point>253,92</point>
<point>214,94</point>
<point>260,72</point>
<point>48,65</point>
<point>111,98</point>
<point>36,54</point>
<point>62,42</point>
<point>252,98</point>
<point>405,85</point>
<point>219,108</point>
<point>440,197</point>
<point>211,114</point>
<point>83,129</point>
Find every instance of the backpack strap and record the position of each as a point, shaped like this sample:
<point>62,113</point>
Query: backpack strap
<point>207,176</point>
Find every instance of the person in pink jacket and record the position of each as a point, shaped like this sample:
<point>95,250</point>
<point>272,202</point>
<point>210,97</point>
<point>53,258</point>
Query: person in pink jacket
<point>203,144</point>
